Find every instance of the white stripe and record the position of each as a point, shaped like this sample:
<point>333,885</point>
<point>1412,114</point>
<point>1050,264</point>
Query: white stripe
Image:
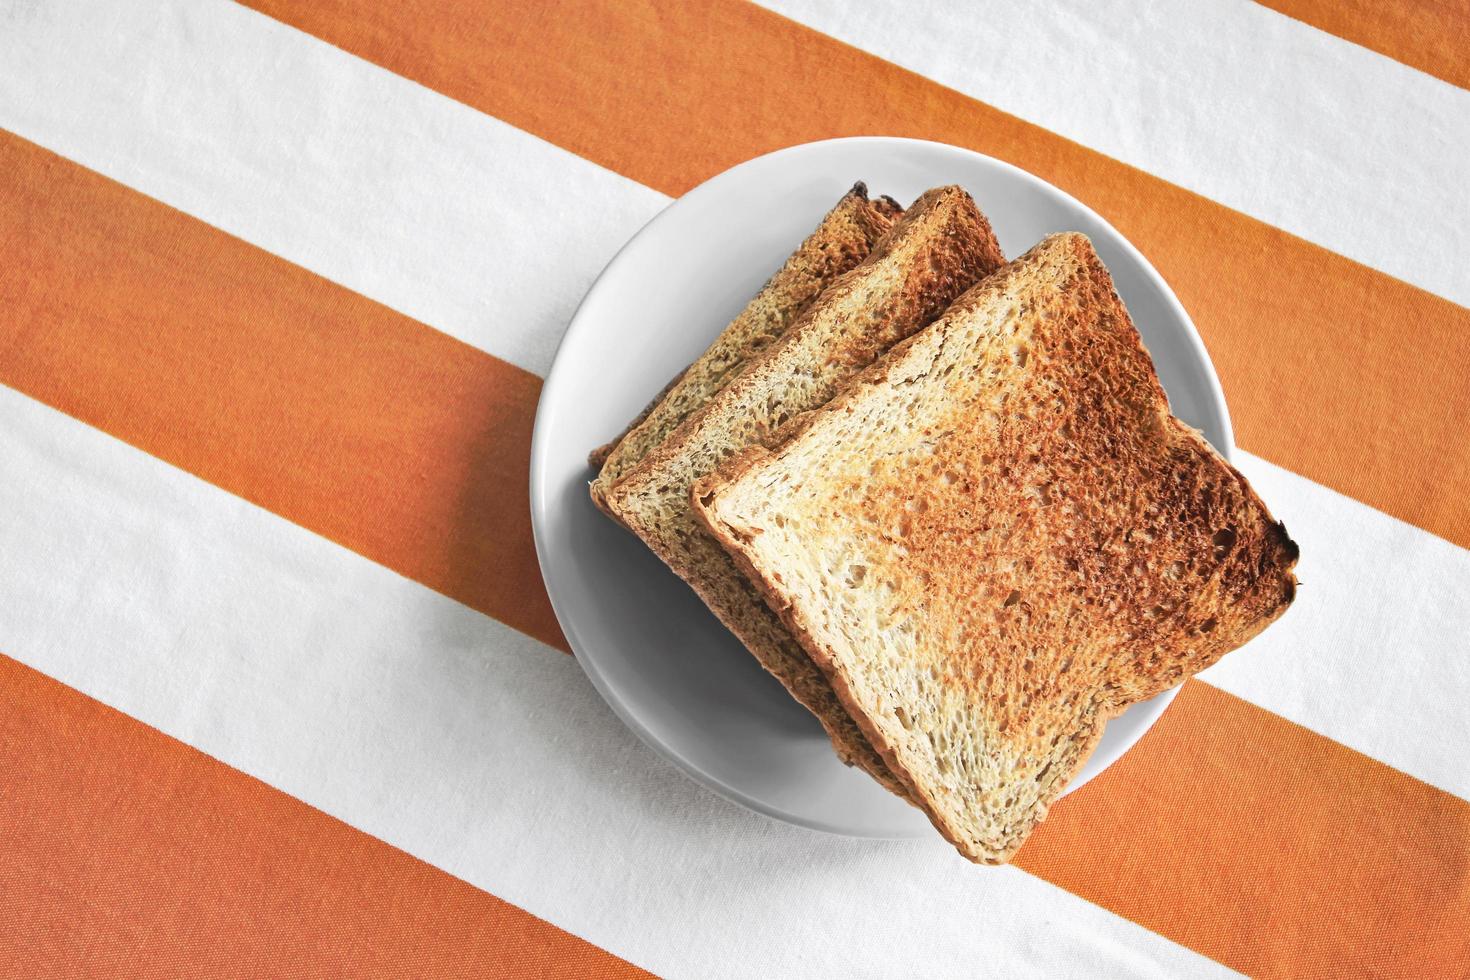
<point>438,211</point>
<point>469,745</point>
<point>1375,653</point>
<point>1291,125</point>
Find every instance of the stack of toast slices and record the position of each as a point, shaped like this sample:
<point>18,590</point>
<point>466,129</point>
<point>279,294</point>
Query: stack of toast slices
<point>942,498</point>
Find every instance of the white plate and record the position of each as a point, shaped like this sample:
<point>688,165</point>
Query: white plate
<point>658,657</point>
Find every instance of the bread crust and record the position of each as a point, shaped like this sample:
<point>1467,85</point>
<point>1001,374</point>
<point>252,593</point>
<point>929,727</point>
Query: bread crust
<point>1154,608</point>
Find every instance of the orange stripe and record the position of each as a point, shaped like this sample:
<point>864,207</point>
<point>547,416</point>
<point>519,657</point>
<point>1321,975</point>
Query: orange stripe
<point>128,853</point>
<point>1269,848</point>
<point>370,429</point>
<point>1336,371</point>
<point>1430,35</point>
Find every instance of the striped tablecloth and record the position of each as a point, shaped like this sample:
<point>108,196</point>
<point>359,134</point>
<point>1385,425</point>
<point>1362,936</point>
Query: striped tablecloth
<point>281,692</point>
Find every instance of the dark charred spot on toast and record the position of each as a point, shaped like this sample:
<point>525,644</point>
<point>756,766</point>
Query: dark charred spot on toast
<point>1289,550</point>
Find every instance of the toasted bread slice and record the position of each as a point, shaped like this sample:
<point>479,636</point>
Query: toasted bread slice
<point>998,538</point>
<point>939,248</point>
<point>843,239</point>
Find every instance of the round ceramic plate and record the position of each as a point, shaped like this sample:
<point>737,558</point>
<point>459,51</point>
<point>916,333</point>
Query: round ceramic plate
<point>661,660</point>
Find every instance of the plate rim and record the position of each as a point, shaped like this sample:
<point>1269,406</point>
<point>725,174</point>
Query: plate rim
<point>1214,393</point>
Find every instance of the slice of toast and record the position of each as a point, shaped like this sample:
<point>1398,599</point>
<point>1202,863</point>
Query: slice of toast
<point>843,239</point>
<point>938,249</point>
<point>998,538</point>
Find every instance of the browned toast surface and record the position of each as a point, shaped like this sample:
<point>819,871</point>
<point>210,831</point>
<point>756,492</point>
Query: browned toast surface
<point>999,537</point>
